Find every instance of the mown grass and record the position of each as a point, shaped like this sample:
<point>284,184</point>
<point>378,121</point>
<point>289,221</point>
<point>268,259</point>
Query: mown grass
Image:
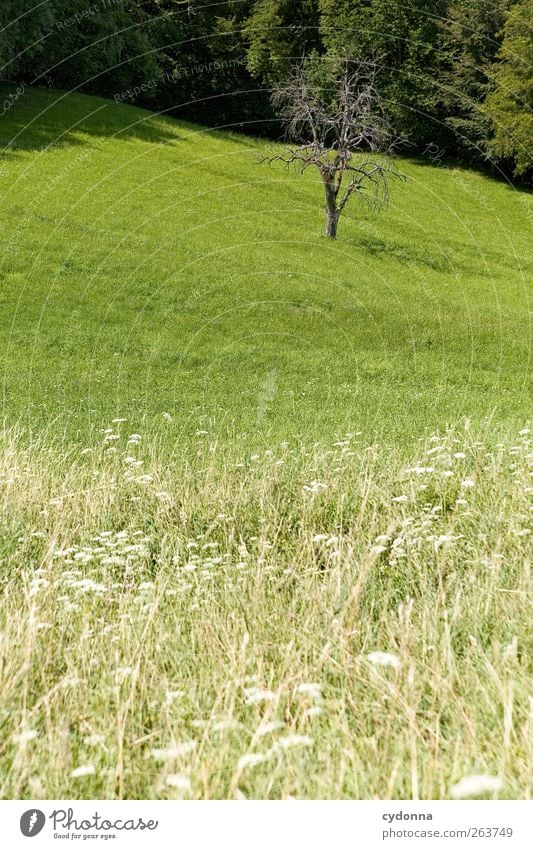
<point>152,266</point>
<point>200,625</point>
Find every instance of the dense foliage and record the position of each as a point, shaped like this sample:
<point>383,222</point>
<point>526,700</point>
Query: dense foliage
<point>456,74</point>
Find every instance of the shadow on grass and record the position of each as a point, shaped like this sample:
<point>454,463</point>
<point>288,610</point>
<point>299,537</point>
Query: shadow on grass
<point>40,118</point>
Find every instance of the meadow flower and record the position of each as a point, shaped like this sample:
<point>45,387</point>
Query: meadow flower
<point>226,725</point>
<point>174,752</point>
<point>382,658</point>
<point>94,740</point>
<point>316,710</point>
<point>314,487</point>
<point>475,785</point>
<point>71,681</point>
<point>179,782</point>
<point>252,759</point>
<point>468,483</point>
<point>81,771</point>
<point>254,695</point>
<point>510,650</point>
<point>314,691</point>
<point>123,672</point>
<point>291,741</point>
<point>24,737</point>
<point>400,499</point>
<point>269,728</point>
<point>144,479</point>
<point>459,455</point>
<point>444,538</point>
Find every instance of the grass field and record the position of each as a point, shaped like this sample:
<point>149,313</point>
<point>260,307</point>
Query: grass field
<point>265,500</point>
<point>150,266</point>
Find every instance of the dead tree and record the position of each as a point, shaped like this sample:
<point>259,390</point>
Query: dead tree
<point>339,128</point>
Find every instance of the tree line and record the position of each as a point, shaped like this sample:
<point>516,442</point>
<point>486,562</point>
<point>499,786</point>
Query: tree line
<point>455,76</point>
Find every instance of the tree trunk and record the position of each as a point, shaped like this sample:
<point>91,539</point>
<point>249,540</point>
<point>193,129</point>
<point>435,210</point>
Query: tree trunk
<point>332,220</point>
<point>332,213</point>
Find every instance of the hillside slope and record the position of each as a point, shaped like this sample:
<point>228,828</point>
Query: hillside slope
<point>149,267</point>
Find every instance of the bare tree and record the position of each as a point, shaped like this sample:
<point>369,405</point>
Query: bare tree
<point>340,128</point>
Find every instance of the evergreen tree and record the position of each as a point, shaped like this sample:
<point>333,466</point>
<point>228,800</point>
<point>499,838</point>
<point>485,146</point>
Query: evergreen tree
<point>280,33</point>
<point>405,38</point>
<point>509,104</point>
<point>470,43</point>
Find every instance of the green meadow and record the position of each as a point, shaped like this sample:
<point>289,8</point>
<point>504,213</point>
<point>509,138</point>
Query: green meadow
<point>150,266</point>
<point>265,499</point>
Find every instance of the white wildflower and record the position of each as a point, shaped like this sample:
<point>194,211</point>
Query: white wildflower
<point>179,782</point>
<point>24,737</point>
<point>253,759</point>
<point>443,539</point>
<point>510,650</point>
<point>172,695</point>
<point>475,785</point>
<point>226,725</point>
<point>292,740</point>
<point>315,487</point>
<point>81,771</point>
<point>123,672</point>
<point>316,710</point>
<point>174,752</point>
<point>269,728</point>
<point>314,691</point>
<point>254,695</point>
<point>94,740</point>
<point>468,483</point>
<point>382,658</point>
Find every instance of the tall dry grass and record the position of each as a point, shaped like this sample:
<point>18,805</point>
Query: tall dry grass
<point>328,622</point>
